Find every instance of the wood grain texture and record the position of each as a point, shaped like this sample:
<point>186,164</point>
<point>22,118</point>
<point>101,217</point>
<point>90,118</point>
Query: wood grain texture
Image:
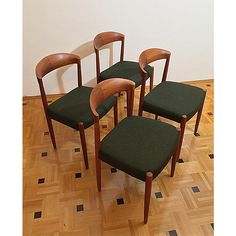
<point>180,208</point>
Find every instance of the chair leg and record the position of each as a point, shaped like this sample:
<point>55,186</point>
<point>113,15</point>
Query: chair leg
<point>50,127</point>
<point>199,114</point>
<point>140,113</point>
<point>83,142</point>
<point>182,128</point>
<point>151,79</point>
<point>148,188</point>
<point>115,113</point>
<point>141,100</point>
<point>98,173</point>
<point>140,109</point>
<point>175,156</point>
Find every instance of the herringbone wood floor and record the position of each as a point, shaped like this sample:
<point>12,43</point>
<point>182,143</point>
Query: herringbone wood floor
<point>175,209</point>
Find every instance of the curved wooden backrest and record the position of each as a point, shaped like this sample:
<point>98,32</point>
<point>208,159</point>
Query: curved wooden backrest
<point>52,62</point>
<point>146,57</point>
<point>55,61</point>
<point>109,87</point>
<point>105,38</point>
<point>151,55</point>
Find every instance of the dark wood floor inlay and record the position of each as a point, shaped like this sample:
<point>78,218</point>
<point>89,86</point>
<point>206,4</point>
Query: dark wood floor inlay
<point>158,195</point>
<point>173,233</point>
<point>37,214</point>
<point>195,189</point>
<point>41,180</point>
<point>44,154</point>
<point>120,201</point>
<point>78,175</point>
<point>80,207</point>
<point>77,149</point>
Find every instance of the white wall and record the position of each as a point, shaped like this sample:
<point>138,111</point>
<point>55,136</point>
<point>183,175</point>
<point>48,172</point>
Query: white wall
<point>185,27</point>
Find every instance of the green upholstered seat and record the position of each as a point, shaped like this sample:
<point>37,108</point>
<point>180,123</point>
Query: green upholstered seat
<point>74,108</point>
<point>172,100</point>
<point>127,70</point>
<point>138,145</point>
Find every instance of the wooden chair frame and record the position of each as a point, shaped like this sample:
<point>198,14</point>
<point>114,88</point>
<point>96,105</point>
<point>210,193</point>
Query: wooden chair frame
<point>102,91</point>
<point>53,62</point>
<point>149,56</point>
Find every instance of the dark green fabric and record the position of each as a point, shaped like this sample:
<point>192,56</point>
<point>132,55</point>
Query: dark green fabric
<point>172,100</point>
<point>74,108</point>
<point>127,70</point>
<point>138,145</point>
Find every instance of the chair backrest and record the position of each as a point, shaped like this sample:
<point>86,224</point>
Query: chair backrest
<point>53,62</point>
<point>104,90</point>
<point>103,39</point>
<point>151,55</point>
<point>146,57</point>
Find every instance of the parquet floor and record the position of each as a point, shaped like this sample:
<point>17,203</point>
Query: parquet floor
<point>60,197</point>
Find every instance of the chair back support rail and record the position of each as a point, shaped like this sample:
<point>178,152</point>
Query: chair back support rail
<point>53,62</point>
<point>146,57</point>
<point>104,90</point>
<point>105,38</point>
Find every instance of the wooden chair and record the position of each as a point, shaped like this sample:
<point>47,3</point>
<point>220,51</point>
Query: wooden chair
<point>122,69</point>
<point>73,108</point>
<point>139,146</point>
<point>175,101</point>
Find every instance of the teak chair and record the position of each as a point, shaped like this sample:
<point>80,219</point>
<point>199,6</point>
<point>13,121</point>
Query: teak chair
<point>122,69</point>
<point>175,101</point>
<point>139,146</point>
<point>73,108</point>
